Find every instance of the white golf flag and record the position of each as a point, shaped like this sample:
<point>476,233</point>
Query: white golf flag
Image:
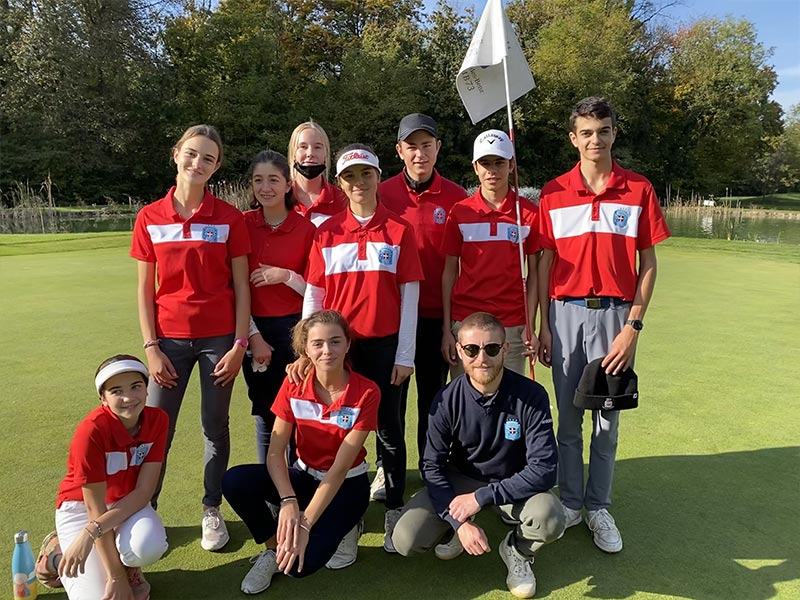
<point>480,81</point>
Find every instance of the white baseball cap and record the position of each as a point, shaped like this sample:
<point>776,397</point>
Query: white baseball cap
<point>492,143</point>
<point>358,156</point>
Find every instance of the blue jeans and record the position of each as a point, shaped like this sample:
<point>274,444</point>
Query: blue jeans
<point>248,487</point>
<point>263,387</point>
<point>215,400</point>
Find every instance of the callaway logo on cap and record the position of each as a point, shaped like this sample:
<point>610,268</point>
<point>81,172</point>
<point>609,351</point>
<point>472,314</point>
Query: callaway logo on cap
<point>492,143</point>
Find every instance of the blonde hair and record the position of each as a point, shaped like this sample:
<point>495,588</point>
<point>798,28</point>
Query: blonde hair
<point>294,140</point>
<point>207,131</point>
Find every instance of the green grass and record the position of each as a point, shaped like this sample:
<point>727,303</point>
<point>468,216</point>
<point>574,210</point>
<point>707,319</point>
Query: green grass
<point>707,472</point>
<point>788,201</point>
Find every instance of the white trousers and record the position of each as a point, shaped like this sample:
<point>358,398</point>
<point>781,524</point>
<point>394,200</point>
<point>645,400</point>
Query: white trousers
<point>141,540</point>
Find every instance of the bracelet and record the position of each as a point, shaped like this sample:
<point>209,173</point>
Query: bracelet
<point>150,343</point>
<point>304,527</point>
<point>288,499</point>
<point>98,530</point>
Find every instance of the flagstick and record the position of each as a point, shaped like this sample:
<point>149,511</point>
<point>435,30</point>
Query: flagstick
<point>519,217</point>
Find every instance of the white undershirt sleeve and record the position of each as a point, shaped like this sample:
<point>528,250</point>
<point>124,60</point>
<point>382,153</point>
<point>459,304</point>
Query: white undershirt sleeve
<point>407,336</point>
<point>296,282</point>
<point>312,299</point>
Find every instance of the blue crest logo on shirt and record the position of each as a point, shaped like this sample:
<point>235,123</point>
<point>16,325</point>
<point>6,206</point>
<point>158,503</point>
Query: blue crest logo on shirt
<point>345,417</point>
<point>513,430</point>
<point>210,233</point>
<point>386,255</point>
<point>513,233</point>
<point>439,215</point>
<point>139,453</point>
<point>621,217</point>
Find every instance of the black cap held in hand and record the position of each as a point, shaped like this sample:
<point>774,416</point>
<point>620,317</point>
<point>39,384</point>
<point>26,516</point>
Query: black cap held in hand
<point>599,391</point>
<point>416,122</point>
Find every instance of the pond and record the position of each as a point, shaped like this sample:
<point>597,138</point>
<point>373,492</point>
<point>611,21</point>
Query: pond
<point>734,225</point>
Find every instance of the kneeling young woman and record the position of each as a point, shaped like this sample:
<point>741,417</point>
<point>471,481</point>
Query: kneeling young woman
<point>325,493</point>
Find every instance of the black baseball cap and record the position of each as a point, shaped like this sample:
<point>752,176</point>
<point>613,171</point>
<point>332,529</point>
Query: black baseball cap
<point>416,122</point>
<point>598,390</point>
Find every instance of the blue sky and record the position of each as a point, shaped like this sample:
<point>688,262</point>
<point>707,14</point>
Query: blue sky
<point>777,23</point>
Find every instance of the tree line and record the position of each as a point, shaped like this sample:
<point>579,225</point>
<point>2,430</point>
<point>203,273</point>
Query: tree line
<point>93,93</point>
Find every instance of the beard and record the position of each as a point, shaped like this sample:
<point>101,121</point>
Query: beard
<point>483,376</point>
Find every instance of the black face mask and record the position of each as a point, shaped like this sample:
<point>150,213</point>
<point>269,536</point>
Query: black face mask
<point>309,171</point>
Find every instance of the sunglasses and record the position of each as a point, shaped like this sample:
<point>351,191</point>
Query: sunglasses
<point>472,350</point>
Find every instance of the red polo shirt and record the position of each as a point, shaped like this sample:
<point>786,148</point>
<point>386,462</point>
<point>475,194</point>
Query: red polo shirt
<point>194,295</point>
<point>595,237</point>
<point>426,213</point>
<point>486,242</point>
<point>320,429</point>
<point>330,202</point>
<point>361,269</point>
<point>286,247</point>
<point>102,450</point>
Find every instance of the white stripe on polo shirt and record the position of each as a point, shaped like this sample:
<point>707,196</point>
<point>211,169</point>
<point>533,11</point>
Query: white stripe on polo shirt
<point>318,218</point>
<point>573,221</point>
<point>116,462</point>
<point>308,410</point>
<point>343,258</point>
<point>198,232</point>
<point>481,232</point>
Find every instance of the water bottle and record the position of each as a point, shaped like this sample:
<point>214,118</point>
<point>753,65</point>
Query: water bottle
<point>23,569</point>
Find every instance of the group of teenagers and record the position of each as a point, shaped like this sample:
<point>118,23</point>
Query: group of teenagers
<point>328,298</point>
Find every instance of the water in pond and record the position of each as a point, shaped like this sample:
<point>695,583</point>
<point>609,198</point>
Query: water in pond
<point>733,226</point>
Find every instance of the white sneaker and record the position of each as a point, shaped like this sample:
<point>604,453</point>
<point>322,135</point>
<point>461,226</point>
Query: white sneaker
<point>604,530</point>
<point>520,580</point>
<point>573,517</point>
<point>260,574</point>
<point>347,551</point>
<point>389,523</point>
<point>377,489</point>
<point>449,550</point>
<point>215,533</point>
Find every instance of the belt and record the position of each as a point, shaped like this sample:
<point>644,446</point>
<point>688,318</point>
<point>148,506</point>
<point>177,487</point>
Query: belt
<point>318,475</point>
<point>601,302</point>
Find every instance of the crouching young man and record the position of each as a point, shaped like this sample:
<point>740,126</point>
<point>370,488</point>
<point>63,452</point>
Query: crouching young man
<point>490,444</point>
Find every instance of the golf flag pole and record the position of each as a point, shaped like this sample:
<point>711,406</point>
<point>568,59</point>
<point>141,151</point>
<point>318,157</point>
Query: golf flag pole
<point>494,52</point>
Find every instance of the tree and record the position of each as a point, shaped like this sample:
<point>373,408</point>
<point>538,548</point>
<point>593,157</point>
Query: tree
<point>722,82</point>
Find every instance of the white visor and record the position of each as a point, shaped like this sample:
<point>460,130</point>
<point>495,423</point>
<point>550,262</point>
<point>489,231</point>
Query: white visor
<point>115,368</point>
<point>358,156</point>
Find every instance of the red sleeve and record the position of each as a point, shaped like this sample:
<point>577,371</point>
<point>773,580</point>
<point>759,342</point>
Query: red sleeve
<point>308,243</point>
<point>368,417</point>
<point>546,237</point>
<point>158,450</point>
<point>141,244</point>
<point>239,238</point>
<point>451,243</point>
<point>532,243</point>
<point>87,454</point>
<point>653,227</point>
<point>409,267</point>
<point>315,273</point>
<point>282,406</point>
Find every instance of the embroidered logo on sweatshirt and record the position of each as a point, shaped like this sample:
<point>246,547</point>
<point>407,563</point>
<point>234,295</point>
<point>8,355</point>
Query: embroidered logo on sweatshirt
<point>513,430</point>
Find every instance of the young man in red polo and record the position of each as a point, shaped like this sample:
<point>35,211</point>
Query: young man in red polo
<point>482,265</point>
<point>594,222</point>
<point>423,197</point>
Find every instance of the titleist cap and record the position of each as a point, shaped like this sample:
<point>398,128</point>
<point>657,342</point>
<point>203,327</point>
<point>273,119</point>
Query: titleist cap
<point>359,156</point>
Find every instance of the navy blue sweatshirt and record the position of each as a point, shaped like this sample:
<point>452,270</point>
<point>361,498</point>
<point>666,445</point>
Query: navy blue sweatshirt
<point>505,440</point>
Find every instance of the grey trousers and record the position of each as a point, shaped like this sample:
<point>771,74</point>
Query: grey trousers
<point>215,400</point>
<point>539,520</point>
<point>580,335</point>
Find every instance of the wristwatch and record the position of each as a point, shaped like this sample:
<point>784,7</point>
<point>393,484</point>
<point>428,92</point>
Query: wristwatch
<point>244,343</point>
<point>635,323</point>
